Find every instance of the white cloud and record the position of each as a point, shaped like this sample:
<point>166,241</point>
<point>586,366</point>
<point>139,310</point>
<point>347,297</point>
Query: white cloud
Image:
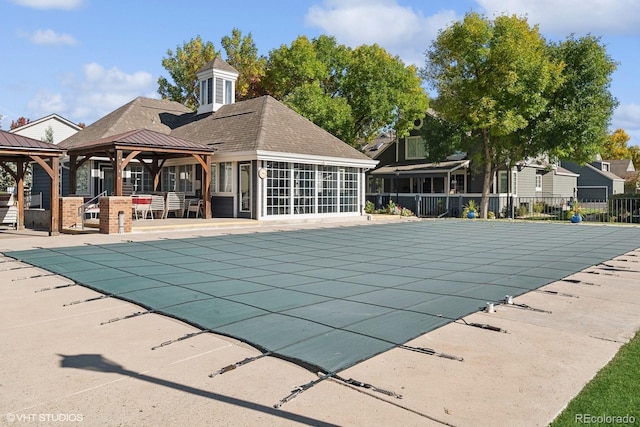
<point>50,37</point>
<point>51,4</point>
<point>45,103</point>
<point>627,117</point>
<point>572,16</point>
<point>401,30</point>
<point>96,93</point>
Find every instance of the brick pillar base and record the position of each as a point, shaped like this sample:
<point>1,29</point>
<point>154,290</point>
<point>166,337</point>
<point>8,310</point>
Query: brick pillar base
<point>109,209</point>
<point>69,212</point>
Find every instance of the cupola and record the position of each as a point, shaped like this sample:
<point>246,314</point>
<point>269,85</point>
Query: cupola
<point>217,83</point>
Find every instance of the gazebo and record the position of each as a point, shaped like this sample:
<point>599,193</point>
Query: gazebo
<point>152,149</point>
<point>21,151</point>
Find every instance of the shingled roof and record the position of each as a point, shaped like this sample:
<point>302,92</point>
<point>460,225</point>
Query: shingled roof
<point>264,124</point>
<point>157,115</point>
<point>219,64</point>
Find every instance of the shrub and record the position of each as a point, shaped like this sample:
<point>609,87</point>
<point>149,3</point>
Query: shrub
<point>369,207</point>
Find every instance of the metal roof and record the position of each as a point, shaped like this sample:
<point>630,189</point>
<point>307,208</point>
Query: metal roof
<point>20,143</point>
<point>143,138</point>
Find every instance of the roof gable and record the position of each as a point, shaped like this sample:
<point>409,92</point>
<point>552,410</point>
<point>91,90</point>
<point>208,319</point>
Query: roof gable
<point>45,119</point>
<point>142,113</point>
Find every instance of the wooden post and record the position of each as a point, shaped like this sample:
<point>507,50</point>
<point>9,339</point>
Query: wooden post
<point>119,174</point>
<point>206,187</point>
<point>55,196</point>
<point>73,172</point>
<point>20,171</point>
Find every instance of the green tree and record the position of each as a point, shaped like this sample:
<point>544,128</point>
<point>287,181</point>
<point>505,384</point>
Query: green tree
<point>575,123</point>
<point>48,135</point>
<point>242,54</point>
<point>183,66</point>
<point>351,93</point>
<point>491,78</point>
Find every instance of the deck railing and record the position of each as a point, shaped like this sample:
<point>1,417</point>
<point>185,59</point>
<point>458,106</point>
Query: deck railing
<point>90,207</point>
<point>619,208</point>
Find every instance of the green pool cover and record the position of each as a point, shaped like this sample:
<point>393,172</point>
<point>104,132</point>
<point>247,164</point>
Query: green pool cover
<point>330,298</point>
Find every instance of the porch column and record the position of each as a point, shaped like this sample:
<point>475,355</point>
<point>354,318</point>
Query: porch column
<point>118,167</point>
<point>55,196</point>
<point>73,170</point>
<point>20,172</point>
<point>206,187</point>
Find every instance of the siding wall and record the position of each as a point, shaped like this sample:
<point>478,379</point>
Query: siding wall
<point>527,183</point>
<point>564,186</point>
<point>61,131</point>
<point>41,183</point>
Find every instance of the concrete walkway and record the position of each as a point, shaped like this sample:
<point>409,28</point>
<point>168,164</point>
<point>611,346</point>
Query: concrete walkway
<point>63,364</point>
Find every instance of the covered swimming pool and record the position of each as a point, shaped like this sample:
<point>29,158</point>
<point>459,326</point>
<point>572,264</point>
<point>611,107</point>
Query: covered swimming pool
<point>329,298</point>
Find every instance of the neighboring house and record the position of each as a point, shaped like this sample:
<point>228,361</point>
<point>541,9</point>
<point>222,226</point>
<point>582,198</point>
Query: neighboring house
<point>596,181</point>
<point>625,170</point>
<point>405,171</point>
<point>268,163</point>
<point>60,129</point>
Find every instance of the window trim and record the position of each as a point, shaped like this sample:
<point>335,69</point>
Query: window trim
<point>413,140</point>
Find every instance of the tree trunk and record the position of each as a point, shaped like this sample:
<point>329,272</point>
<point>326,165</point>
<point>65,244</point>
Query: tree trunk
<point>486,183</point>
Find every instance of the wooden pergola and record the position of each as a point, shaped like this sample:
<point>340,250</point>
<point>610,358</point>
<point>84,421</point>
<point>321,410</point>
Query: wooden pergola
<point>152,149</point>
<point>22,150</point>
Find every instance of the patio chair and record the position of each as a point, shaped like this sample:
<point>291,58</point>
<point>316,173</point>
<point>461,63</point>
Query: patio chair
<point>157,206</point>
<point>141,204</point>
<point>195,206</point>
<point>175,204</point>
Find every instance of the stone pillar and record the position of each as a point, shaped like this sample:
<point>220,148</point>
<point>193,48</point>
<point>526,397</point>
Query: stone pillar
<point>109,209</point>
<point>69,212</point>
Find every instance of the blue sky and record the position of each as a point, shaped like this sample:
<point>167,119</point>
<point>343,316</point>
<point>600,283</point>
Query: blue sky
<point>84,58</point>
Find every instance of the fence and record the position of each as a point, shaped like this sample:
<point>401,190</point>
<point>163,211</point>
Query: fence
<point>619,208</point>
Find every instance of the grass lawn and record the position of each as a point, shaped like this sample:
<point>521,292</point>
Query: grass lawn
<point>612,395</point>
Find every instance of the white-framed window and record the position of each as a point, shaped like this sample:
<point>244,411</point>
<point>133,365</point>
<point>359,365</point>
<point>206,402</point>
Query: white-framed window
<point>140,179</point>
<point>228,91</point>
<point>304,188</point>
<point>458,182</point>
<point>278,188</point>
<point>225,177</point>
<point>415,146</point>
<point>300,188</point>
<point>214,179</point>
<point>327,189</point>
<point>349,190</point>
<point>82,179</point>
<point>206,91</point>
<point>503,182</point>
<point>178,178</point>
<point>538,182</point>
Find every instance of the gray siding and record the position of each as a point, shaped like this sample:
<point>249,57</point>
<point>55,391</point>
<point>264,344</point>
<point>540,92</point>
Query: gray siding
<point>564,186</point>
<point>527,183</point>
<point>41,183</point>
